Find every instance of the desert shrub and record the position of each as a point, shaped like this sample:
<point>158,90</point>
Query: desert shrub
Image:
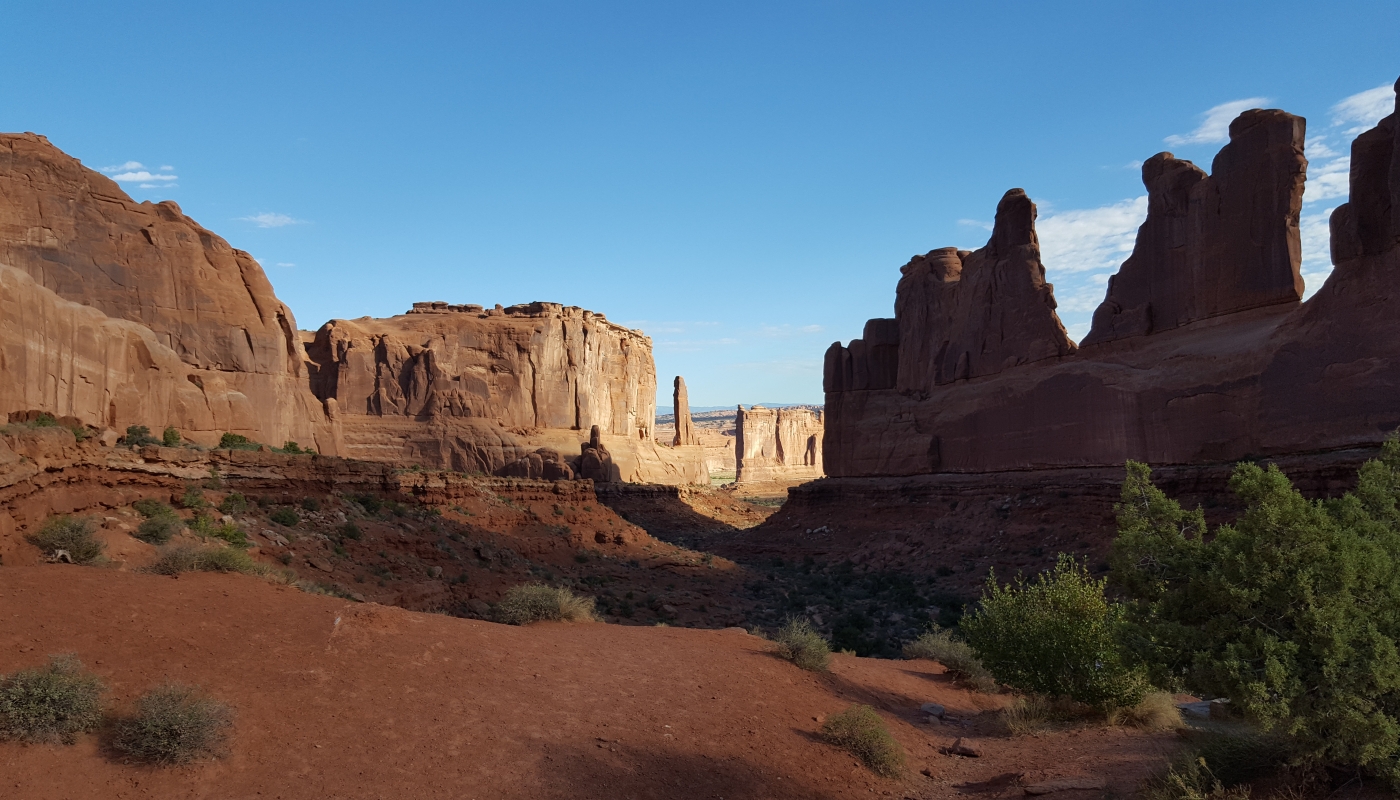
<point>173,724</point>
<point>538,603</point>
<point>193,558</point>
<point>52,703</point>
<point>1219,765</point>
<point>1293,611</point>
<point>45,421</point>
<point>285,516</point>
<point>351,531</point>
<point>234,503</point>
<point>236,441</point>
<point>1056,635</point>
<point>228,532</point>
<point>193,498</point>
<point>956,656</point>
<point>292,447</point>
<point>368,502</point>
<point>800,643</point>
<point>159,529</point>
<point>139,435</point>
<point>310,504</point>
<point>1156,711</point>
<point>147,507</point>
<point>860,731</point>
<point>74,535</point>
<point>170,437</point>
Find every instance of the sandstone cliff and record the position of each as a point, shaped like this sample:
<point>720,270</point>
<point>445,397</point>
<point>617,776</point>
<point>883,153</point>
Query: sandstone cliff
<point>1201,352</point>
<point>680,403</point>
<point>474,389</point>
<point>167,324</point>
<point>777,444</point>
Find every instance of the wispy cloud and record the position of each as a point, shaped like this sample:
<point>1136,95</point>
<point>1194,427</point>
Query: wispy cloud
<point>976,223</point>
<point>285,264</point>
<point>269,219</point>
<point>1361,111</point>
<point>1215,123</point>
<point>136,172</point>
<point>1093,239</point>
<point>127,167</point>
<point>142,176</point>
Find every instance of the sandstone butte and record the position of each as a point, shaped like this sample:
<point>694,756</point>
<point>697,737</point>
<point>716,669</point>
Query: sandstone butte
<point>118,313</point>
<point>1203,351</point>
<point>777,445</point>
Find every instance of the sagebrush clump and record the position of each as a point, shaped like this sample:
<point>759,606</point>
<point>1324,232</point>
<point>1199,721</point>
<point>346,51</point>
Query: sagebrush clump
<point>285,516</point>
<point>860,731</point>
<point>194,558</point>
<point>956,656</point>
<point>800,643</point>
<point>52,703</point>
<point>75,536</point>
<point>1056,635</point>
<point>173,724</point>
<point>539,603</point>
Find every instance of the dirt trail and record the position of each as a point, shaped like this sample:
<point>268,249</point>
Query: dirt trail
<point>336,699</point>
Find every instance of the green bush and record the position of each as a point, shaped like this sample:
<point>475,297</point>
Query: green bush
<point>351,531</point>
<point>74,535</point>
<point>310,504</point>
<point>173,724</point>
<point>159,529</point>
<point>193,498</point>
<point>285,516</point>
<point>368,502</point>
<point>1056,635</point>
<point>152,508</point>
<point>800,643</point>
<point>860,731</point>
<point>139,435</point>
<point>956,656</point>
<point>192,558</point>
<point>539,603</point>
<point>170,437</point>
<point>237,441</point>
<point>53,703</point>
<point>234,503</point>
<point>1293,611</point>
<point>292,447</point>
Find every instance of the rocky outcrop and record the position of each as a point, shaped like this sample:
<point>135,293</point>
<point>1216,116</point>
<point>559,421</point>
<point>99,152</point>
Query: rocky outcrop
<point>685,427</point>
<point>960,315</point>
<point>1214,244</point>
<point>165,323</point>
<point>1231,366</point>
<point>778,444</point>
<point>473,389</point>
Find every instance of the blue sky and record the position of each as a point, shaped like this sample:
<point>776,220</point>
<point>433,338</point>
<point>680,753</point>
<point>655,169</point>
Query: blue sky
<point>740,180</point>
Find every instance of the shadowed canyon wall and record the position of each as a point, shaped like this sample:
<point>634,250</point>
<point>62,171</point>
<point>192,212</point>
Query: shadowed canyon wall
<point>123,313</point>
<point>1201,352</point>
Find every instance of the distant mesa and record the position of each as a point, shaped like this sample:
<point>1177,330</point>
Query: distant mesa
<point>1201,352</point>
<point>777,445</point>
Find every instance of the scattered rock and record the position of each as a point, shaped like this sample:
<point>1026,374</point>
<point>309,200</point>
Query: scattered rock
<point>321,564</point>
<point>932,709</point>
<point>434,572</point>
<point>1081,783</point>
<point>963,748</point>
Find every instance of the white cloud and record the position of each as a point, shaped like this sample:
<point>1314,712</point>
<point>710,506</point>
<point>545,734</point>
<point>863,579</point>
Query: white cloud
<point>1090,240</point>
<point>1328,180</point>
<point>166,168</point>
<point>285,264</point>
<point>975,223</point>
<point>142,176</point>
<point>1315,233</point>
<point>1363,110</point>
<point>268,219</point>
<point>1215,123</point>
<point>158,185</point>
<point>127,167</point>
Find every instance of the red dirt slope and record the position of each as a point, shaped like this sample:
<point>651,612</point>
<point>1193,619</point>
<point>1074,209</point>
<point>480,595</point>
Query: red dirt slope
<point>343,700</point>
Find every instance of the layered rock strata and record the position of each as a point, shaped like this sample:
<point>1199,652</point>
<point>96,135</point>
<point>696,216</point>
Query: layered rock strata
<point>1201,352</point>
<point>777,444</point>
<point>475,389</point>
<point>120,313</point>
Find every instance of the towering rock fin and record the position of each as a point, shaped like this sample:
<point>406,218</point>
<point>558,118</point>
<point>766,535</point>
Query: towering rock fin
<point>1190,261</point>
<point>680,403</point>
<point>1368,224</point>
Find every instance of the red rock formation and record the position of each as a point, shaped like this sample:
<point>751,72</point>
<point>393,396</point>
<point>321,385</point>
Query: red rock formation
<point>680,404</point>
<point>471,389</point>
<point>179,328</point>
<point>960,315</point>
<point>782,444</point>
<point>1231,367</point>
<point>1215,244</point>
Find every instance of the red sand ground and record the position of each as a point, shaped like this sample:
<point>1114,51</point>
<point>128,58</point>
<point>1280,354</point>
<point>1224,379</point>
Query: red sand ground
<point>336,699</point>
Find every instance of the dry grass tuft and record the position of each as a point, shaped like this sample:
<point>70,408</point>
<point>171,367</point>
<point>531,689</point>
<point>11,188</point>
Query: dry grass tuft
<point>955,655</point>
<point>800,643</point>
<point>1156,712</point>
<point>536,602</point>
<point>861,732</point>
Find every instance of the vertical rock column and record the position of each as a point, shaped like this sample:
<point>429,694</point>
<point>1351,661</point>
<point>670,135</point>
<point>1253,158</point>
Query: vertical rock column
<point>685,428</point>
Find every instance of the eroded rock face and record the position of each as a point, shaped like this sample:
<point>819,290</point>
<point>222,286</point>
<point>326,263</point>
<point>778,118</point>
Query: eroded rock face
<point>1202,354</point>
<point>960,315</point>
<point>685,427</point>
<point>777,444</point>
<point>1214,244</point>
<point>220,352</point>
<point>473,389</point>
